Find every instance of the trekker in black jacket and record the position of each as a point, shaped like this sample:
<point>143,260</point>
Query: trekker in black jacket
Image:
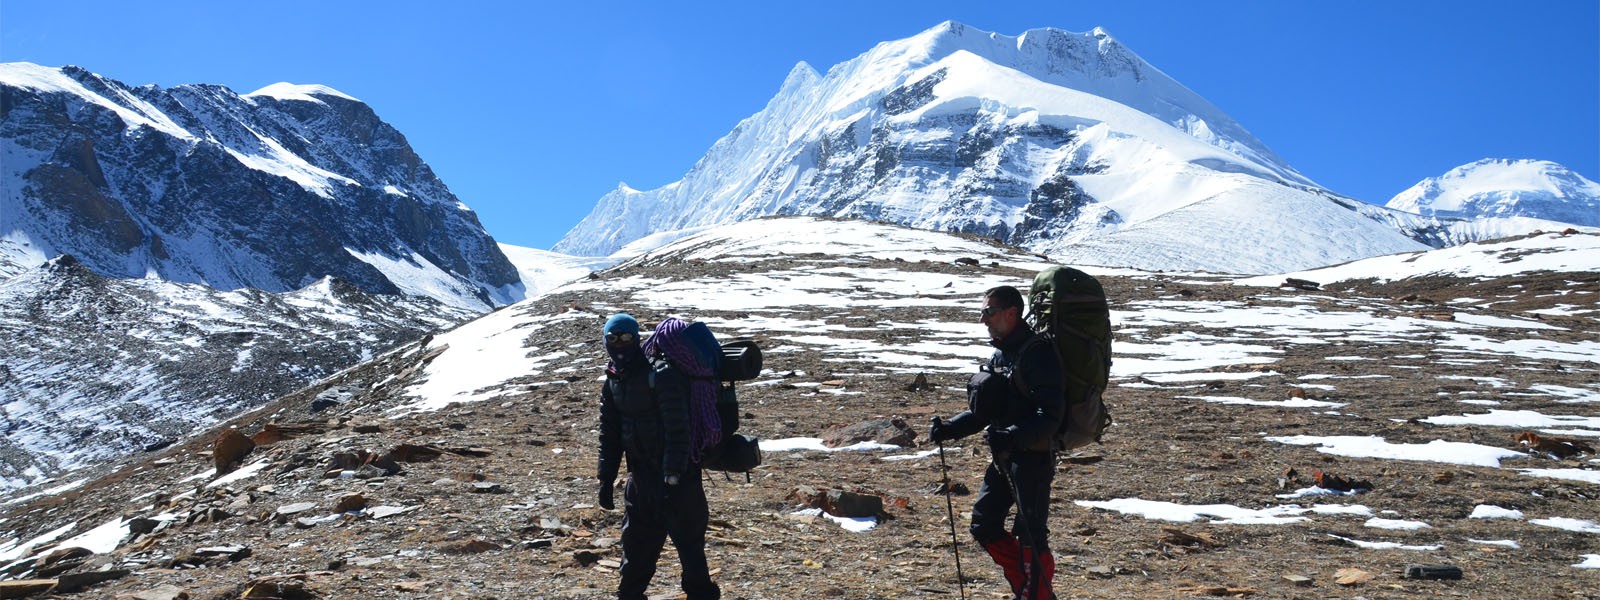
<point>644,415</point>
<point>1018,397</point>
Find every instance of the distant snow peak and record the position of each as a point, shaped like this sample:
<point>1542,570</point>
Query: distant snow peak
<point>1506,188</point>
<point>303,93</point>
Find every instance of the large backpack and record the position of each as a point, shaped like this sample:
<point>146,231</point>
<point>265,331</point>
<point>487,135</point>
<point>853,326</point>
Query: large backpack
<point>724,364</point>
<point>1068,311</point>
<point>737,452</point>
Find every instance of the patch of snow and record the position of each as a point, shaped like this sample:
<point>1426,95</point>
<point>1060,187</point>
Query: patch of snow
<point>1380,523</point>
<point>803,443</point>
<point>1522,419</point>
<point>1586,475</point>
<point>1502,543</point>
<point>1386,545</point>
<point>1289,403</point>
<point>854,525</point>
<point>1570,395</point>
<point>1376,447</point>
<point>13,550</point>
<point>241,473</point>
<point>100,540</point>
<point>915,456</point>
<point>1578,525</point>
<point>1314,491</point>
<point>1490,511</point>
<point>1220,513</point>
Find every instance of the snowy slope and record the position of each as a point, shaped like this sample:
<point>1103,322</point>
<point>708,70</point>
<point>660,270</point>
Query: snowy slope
<point>94,368</point>
<point>542,270</point>
<point>1554,252</point>
<point>271,190</point>
<point>1046,140</point>
<point>783,266</point>
<point>1506,188</point>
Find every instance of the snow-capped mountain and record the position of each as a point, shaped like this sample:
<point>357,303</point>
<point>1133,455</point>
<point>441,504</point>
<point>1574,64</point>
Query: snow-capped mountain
<point>1491,187</point>
<point>272,190</point>
<point>95,368</point>
<point>1066,143</point>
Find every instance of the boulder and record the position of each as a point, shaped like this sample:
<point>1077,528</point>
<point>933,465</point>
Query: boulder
<point>229,450</point>
<point>142,525</point>
<point>840,503</point>
<point>76,582</point>
<point>882,431</point>
<point>60,561</point>
<point>350,503</point>
<point>234,552</point>
<point>269,435</point>
<point>920,384</point>
<point>22,588</point>
<point>412,453</point>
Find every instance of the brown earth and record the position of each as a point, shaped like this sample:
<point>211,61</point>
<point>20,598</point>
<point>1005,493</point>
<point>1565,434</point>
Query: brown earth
<point>505,510</point>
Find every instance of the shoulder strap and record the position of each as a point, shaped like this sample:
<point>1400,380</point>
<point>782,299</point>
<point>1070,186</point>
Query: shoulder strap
<point>1016,367</point>
<point>657,364</point>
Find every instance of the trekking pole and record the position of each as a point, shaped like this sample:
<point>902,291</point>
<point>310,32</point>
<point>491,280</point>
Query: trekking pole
<point>950,509</point>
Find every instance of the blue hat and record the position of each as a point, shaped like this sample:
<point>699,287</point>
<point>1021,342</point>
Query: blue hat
<point>621,323</point>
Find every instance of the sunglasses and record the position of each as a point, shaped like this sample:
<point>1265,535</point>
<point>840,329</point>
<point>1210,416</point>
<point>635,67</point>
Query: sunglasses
<point>991,311</point>
<point>620,338</point>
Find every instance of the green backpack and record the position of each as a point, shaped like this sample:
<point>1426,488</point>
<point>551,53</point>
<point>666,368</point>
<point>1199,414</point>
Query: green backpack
<point>1068,310</point>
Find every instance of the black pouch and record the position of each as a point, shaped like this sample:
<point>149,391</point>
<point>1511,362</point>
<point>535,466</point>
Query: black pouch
<point>987,394</point>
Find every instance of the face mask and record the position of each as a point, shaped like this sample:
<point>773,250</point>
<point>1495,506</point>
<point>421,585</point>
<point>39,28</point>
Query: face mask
<point>624,355</point>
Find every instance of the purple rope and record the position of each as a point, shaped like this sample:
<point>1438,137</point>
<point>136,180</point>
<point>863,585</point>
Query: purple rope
<point>705,427</point>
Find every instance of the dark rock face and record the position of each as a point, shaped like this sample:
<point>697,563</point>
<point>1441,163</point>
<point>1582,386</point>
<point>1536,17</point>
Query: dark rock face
<point>977,160</point>
<point>912,96</point>
<point>199,184</point>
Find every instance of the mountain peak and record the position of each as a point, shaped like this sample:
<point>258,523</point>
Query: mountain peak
<point>1046,53</point>
<point>960,129</point>
<point>1502,187</point>
<point>303,93</point>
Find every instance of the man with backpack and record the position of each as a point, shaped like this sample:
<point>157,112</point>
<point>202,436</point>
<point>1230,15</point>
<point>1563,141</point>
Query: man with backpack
<point>645,406</point>
<point>1018,398</point>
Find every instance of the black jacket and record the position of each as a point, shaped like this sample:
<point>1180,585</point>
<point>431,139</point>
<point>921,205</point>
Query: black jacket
<point>1028,401</point>
<point>644,414</point>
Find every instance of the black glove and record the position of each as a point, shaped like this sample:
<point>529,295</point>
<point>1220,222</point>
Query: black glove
<point>1000,442</point>
<point>940,432</point>
<point>606,490</point>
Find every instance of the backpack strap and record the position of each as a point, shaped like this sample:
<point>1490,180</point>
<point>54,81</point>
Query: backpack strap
<point>1048,341</point>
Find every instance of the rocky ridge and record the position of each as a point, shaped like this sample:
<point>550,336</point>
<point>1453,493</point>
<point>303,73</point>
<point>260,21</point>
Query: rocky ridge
<point>97,368</point>
<point>272,190</point>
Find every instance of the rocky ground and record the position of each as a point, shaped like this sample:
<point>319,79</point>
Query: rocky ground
<point>495,499</point>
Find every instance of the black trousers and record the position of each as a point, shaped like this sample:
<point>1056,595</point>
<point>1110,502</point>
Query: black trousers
<point>654,511</point>
<point>1032,473</point>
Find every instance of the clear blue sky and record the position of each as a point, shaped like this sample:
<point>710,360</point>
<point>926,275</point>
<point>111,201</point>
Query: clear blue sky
<point>531,111</point>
